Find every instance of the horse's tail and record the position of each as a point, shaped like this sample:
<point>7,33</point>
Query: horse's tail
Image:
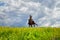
<point>36,24</point>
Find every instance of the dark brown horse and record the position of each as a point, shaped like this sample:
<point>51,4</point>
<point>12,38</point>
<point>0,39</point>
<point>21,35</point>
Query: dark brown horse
<point>31,22</point>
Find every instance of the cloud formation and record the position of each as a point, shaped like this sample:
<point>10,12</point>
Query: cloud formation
<point>16,12</point>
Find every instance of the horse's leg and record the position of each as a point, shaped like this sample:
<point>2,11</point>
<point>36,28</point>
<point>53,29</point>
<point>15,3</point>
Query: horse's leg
<point>31,25</point>
<point>34,25</point>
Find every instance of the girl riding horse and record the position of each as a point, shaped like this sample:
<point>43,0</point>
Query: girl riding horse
<point>31,22</point>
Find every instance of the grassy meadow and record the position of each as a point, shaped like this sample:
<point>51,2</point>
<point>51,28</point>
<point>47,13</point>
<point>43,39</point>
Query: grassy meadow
<point>40,33</point>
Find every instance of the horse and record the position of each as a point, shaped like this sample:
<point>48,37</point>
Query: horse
<point>31,22</point>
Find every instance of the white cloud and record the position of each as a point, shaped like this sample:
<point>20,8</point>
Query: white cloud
<point>33,4</point>
<point>51,15</point>
<point>42,14</point>
<point>57,24</point>
<point>24,9</point>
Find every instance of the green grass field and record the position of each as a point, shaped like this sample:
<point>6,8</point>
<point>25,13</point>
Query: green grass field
<point>8,33</point>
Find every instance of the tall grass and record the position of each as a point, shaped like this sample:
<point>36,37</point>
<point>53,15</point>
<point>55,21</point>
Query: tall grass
<point>8,33</point>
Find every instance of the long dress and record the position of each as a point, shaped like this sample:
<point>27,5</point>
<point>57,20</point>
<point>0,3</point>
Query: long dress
<point>30,22</point>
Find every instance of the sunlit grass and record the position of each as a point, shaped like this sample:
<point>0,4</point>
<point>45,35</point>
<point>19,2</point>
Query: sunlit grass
<point>40,33</point>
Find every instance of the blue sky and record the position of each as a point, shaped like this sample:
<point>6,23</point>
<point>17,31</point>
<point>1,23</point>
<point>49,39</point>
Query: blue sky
<point>16,12</point>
